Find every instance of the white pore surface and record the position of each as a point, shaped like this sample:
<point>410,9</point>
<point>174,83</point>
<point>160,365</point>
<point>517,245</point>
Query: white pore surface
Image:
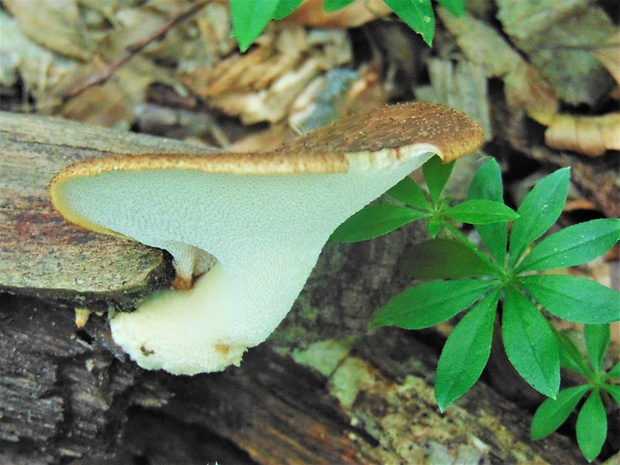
<point>266,232</point>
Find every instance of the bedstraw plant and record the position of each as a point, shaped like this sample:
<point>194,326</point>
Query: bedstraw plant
<point>502,277</point>
<point>499,278</point>
<point>250,17</point>
<point>599,390</point>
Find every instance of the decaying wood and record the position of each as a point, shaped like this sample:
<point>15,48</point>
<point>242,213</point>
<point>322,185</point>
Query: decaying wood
<point>40,253</point>
<point>322,390</point>
<point>365,400</point>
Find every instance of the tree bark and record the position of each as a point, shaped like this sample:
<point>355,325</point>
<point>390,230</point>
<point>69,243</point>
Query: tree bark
<point>366,399</point>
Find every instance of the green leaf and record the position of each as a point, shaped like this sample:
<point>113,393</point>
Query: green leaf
<point>455,7</point>
<point>487,184</point>
<point>553,412</point>
<point>591,426</point>
<point>430,303</point>
<point>408,192</point>
<point>538,211</point>
<point>249,18</point>
<point>573,245</point>
<point>466,352</point>
<point>570,357</point>
<point>285,8</point>
<point>530,343</point>
<point>481,211</point>
<point>614,391</point>
<point>597,342</point>
<point>374,221</point>
<point>417,14</point>
<point>434,226</point>
<point>573,298</point>
<point>614,372</point>
<point>436,175</point>
<point>335,5</point>
<point>443,258</point>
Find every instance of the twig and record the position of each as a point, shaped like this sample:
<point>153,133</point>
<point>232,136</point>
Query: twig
<point>132,50</point>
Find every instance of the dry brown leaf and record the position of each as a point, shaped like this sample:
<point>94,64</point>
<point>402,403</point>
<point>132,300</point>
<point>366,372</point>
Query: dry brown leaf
<point>111,104</point>
<point>55,25</point>
<point>483,45</point>
<point>23,59</point>
<point>311,13</point>
<point>323,100</point>
<point>590,135</point>
<point>263,140</point>
<point>555,38</point>
<point>65,89</point>
<point>128,57</point>
<point>525,88</point>
<point>580,203</point>
<point>262,84</point>
<point>609,55</point>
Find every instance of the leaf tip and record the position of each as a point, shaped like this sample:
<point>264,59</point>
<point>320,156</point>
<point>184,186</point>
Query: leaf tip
<point>377,323</point>
<point>443,405</point>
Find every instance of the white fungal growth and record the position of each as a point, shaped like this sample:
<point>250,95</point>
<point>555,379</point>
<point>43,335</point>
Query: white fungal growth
<point>252,225</point>
<point>265,231</point>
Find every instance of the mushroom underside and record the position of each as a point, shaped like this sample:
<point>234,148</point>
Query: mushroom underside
<point>265,232</point>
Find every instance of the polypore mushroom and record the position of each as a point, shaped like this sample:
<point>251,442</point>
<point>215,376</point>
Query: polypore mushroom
<point>263,218</point>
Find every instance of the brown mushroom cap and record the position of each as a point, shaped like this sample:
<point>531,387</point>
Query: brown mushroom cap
<point>325,150</point>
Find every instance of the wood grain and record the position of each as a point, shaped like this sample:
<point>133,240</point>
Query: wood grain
<point>40,253</point>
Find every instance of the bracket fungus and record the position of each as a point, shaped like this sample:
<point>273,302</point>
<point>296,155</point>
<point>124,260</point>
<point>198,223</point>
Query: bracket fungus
<point>248,227</point>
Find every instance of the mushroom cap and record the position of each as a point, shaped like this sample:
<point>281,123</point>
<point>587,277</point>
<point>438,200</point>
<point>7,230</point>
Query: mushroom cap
<point>264,217</point>
<point>361,139</point>
<point>329,149</point>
